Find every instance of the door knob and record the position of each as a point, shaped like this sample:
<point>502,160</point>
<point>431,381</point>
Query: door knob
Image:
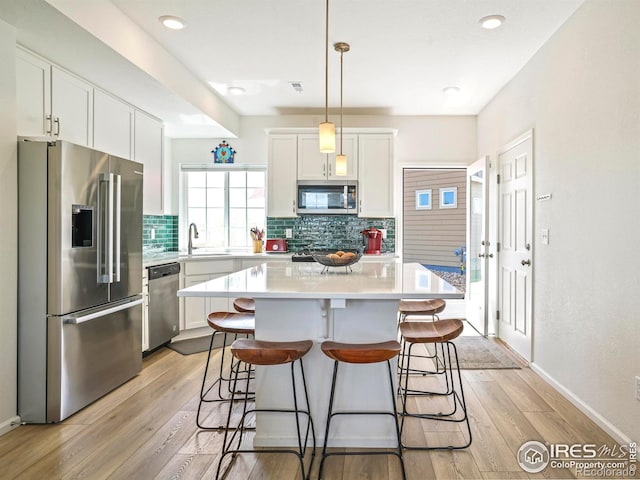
<point>490,255</point>
<point>526,262</point>
<point>481,255</point>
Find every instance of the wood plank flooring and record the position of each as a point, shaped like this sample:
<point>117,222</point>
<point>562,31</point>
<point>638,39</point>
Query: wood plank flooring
<point>146,429</point>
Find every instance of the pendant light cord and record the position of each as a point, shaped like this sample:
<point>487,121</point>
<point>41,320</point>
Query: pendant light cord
<point>341,55</point>
<point>326,66</point>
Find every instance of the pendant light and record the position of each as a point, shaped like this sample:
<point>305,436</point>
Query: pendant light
<point>341,160</point>
<point>327,130</point>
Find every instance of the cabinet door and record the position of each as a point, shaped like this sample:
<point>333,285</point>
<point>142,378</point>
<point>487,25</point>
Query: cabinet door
<point>33,94</point>
<point>196,309</point>
<point>375,175</point>
<point>72,108</point>
<point>350,149</point>
<point>112,125</point>
<point>147,149</point>
<point>282,176</point>
<point>312,165</point>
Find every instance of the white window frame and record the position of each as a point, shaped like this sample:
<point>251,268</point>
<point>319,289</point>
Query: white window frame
<point>419,204</point>
<point>453,190</point>
<point>183,193</point>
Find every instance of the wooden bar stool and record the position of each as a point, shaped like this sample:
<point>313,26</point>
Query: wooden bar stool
<point>440,332</point>
<point>362,354</point>
<point>430,307</point>
<point>224,323</point>
<point>244,305</point>
<point>258,352</point>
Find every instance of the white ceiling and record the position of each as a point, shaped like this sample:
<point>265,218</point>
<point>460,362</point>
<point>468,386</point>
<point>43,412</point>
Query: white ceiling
<point>403,52</point>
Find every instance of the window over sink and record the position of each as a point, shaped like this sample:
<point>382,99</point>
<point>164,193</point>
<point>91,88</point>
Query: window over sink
<point>224,202</point>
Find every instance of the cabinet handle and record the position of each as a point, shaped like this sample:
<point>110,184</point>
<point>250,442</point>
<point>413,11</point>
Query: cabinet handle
<point>49,119</point>
<point>324,170</point>
<point>294,207</point>
<point>360,203</point>
<point>330,170</point>
<point>57,122</point>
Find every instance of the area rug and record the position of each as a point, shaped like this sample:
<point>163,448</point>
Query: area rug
<point>480,353</point>
<point>191,345</point>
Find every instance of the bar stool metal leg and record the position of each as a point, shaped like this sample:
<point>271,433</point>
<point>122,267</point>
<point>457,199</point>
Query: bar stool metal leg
<point>414,333</point>
<point>336,350</point>
<point>231,434</point>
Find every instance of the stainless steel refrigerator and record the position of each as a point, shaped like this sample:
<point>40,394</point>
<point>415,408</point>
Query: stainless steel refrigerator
<point>80,277</point>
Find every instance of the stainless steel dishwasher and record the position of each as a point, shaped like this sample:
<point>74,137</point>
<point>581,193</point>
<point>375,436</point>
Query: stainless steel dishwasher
<point>163,314</point>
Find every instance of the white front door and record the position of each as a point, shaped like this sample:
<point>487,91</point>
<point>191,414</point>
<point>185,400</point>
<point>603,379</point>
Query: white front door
<point>515,244</point>
<point>477,245</point>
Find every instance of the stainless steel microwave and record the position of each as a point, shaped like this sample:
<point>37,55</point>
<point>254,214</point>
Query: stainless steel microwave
<point>327,197</point>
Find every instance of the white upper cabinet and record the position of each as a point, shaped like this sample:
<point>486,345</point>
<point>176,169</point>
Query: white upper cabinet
<point>148,141</point>
<point>112,125</point>
<point>71,108</point>
<point>313,165</point>
<point>33,95</point>
<point>281,176</point>
<point>375,175</point>
<point>52,102</point>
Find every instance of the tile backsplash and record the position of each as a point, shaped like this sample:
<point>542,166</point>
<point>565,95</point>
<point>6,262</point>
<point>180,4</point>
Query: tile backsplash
<point>309,231</point>
<point>326,232</point>
<point>165,233</point>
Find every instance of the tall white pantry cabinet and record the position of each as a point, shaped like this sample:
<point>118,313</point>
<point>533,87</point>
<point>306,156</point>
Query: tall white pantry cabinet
<point>295,156</point>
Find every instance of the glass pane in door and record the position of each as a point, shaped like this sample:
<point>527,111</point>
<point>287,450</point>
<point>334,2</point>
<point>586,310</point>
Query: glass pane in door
<point>477,246</point>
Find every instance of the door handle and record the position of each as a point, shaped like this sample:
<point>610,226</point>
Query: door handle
<point>525,262</point>
<point>118,225</point>
<point>481,255</point>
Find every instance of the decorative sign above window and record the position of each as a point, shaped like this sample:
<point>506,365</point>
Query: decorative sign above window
<point>223,153</point>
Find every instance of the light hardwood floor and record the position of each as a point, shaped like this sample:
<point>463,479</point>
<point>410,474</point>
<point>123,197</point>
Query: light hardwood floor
<point>146,430</point>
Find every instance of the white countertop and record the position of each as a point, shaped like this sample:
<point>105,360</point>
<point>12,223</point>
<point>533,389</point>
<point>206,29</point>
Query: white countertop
<point>369,280</point>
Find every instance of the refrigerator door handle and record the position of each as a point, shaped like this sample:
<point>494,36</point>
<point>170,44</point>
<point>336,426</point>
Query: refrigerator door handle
<point>118,226</point>
<point>91,316</point>
<point>105,269</point>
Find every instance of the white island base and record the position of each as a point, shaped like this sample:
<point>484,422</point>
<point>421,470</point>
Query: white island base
<point>363,387</point>
<point>294,301</point>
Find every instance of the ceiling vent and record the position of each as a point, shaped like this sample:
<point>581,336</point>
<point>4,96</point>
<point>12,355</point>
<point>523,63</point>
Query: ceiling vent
<point>297,86</point>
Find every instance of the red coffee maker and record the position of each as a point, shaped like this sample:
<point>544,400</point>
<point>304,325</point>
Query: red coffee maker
<point>373,241</point>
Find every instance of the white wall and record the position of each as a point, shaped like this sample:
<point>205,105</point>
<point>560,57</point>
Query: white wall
<point>581,95</point>
<point>9,222</point>
<point>441,140</point>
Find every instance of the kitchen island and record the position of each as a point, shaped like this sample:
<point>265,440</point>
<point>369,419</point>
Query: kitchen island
<point>294,301</point>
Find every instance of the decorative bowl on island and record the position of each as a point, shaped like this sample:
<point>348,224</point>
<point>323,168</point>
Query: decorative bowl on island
<point>337,259</point>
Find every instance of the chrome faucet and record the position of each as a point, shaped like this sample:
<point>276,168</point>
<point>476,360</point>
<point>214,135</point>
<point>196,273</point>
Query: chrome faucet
<point>195,234</point>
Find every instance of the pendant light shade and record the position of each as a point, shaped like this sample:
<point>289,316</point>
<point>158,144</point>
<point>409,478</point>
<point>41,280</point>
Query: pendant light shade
<point>327,137</point>
<point>327,130</point>
<point>341,165</point>
<point>341,159</point>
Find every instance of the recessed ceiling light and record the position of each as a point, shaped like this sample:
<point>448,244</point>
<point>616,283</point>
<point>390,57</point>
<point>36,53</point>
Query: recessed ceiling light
<point>492,21</point>
<point>235,90</point>
<point>451,91</point>
<point>174,23</point>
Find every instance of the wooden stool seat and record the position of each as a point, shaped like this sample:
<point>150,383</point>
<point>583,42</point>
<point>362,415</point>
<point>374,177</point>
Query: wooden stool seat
<point>431,306</point>
<point>361,352</point>
<point>230,322</point>
<point>244,305</point>
<point>431,332</point>
<point>260,352</point>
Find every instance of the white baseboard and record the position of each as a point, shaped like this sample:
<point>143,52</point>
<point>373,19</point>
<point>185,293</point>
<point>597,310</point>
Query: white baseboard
<point>583,407</point>
<point>9,424</point>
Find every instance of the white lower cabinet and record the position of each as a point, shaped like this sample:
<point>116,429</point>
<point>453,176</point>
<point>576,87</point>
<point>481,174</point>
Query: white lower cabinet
<point>195,310</point>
